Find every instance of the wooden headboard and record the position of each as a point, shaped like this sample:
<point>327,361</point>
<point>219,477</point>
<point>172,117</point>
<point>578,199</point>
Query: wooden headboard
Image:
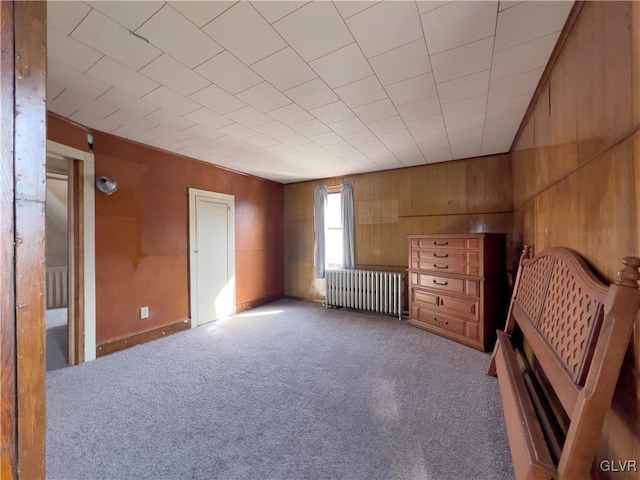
<point>559,358</point>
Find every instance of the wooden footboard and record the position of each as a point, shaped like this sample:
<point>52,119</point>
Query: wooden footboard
<point>574,330</point>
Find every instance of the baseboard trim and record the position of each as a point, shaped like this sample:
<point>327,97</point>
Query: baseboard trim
<point>241,307</point>
<point>143,337</point>
<point>303,299</point>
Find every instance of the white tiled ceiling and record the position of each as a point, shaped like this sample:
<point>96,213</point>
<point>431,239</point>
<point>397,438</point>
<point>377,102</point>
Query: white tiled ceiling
<point>294,90</point>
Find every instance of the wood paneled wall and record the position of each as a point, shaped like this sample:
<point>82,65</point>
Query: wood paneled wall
<point>454,197</point>
<point>576,178</point>
<point>142,233</point>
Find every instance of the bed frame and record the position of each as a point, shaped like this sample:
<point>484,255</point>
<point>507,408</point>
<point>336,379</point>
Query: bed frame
<point>559,358</point>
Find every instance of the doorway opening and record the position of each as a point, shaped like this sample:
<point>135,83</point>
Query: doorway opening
<point>57,241</point>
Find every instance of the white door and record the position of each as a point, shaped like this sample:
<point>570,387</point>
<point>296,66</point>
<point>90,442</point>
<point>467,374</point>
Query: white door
<point>212,259</point>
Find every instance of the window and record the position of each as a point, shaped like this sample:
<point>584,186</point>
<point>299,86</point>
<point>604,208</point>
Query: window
<point>333,230</point>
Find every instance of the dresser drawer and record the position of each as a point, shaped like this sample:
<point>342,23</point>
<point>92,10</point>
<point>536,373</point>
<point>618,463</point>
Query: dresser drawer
<point>465,286</point>
<point>458,243</point>
<point>437,320</point>
<point>425,297</point>
<point>467,307</point>
<point>447,261</point>
<point>444,255</point>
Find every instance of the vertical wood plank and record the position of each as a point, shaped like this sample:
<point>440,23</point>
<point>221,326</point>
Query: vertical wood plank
<point>8,434</point>
<point>78,262</point>
<point>30,158</point>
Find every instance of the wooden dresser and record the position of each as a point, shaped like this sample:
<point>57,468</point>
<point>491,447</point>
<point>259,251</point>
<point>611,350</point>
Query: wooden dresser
<point>457,285</point>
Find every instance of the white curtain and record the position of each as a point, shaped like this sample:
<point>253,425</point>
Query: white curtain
<point>319,202</point>
<point>348,228</point>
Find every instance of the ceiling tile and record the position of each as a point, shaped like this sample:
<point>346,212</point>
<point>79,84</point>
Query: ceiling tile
<point>342,66</point>
<point>218,100</point>
<point>402,63</point>
<point>333,112</point>
<point>174,75</point>
<point>172,101</point>
<point>310,127</point>
<point>513,105</point>
<point>280,149</point>
<point>290,115</point>
<point>228,72</point>
<point>177,36</point>
<point>110,38</point>
<point>294,140</point>
<point>244,32</point>
<point>426,124</point>
<point>264,97</point>
<point>464,108</point>
<point>385,26</point>
<point>464,87</point>
<point>88,119</point>
<point>122,77</point>
<point>275,10</point>
<point>438,151</point>
<point>361,92</point>
<point>53,90</point>
<point>284,69</point>
<point>314,30</point>
<point>514,85</point>
<point>399,136</point>
<point>170,119</point>
<point>458,62</point>
<point>249,117</point>
<point>238,131</point>
<point>202,133</point>
<point>425,6</point>
<point>229,142</point>
<point>374,150</point>
<point>70,52</point>
<point>125,101</point>
<point>66,16</point>
<point>504,4</point>
<point>208,118</point>
<point>326,139</point>
<point>413,89</point>
<point>528,21</point>
<point>274,129</point>
<point>340,147</point>
<point>132,121</point>
<point>462,137</point>
<point>200,13</point>
<point>135,135</point>
<point>465,123</point>
<point>348,8</point>
<point>459,23</point>
<point>376,110</point>
<point>348,127</point>
<point>360,138</point>
<point>388,125</point>
<point>81,102</point>
<point>130,14</point>
<point>423,139</point>
<point>312,94</point>
<point>426,107</point>
<point>261,141</point>
<point>523,58</point>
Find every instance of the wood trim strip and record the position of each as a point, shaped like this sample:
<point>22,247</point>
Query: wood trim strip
<point>78,260</point>
<point>557,50</point>
<point>143,337</point>
<point>242,307</point>
<point>8,434</point>
<point>303,299</point>
<point>497,212</point>
<point>30,20</point>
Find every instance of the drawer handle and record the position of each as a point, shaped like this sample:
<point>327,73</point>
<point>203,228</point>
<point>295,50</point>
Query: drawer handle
<point>442,244</point>
<point>441,256</point>
<point>446,322</point>
<point>441,284</point>
<point>440,267</point>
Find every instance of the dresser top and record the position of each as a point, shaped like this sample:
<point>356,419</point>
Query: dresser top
<point>455,235</point>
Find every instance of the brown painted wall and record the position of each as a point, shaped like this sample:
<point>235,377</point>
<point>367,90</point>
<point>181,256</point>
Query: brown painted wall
<point>454,197</point>
<point>142,233</point>
<point>575,176</point>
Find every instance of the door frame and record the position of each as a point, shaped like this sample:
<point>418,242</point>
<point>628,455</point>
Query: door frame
<point>82,257</point>
<point>194,193</point>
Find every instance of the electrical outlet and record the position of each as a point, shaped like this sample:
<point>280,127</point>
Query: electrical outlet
<point>144,312</point>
